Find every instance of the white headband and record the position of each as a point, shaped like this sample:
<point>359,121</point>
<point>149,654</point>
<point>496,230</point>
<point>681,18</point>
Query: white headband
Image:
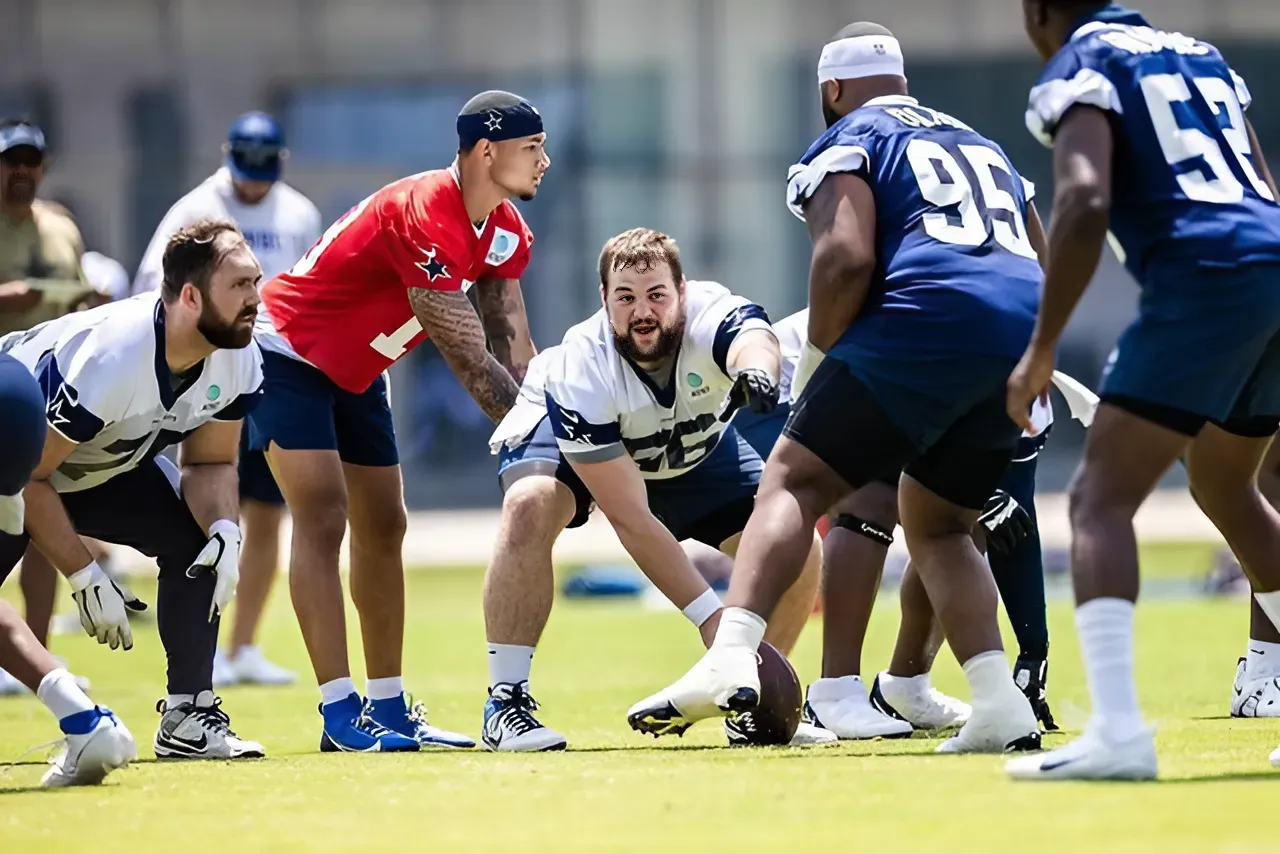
<point>860,56</point>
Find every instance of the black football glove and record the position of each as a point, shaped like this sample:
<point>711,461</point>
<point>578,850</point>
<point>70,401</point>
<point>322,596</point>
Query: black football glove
<point>1007,523</point>
<point>754,388</point>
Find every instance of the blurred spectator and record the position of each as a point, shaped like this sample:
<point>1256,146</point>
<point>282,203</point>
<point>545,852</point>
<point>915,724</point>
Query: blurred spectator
<point>40,246</point>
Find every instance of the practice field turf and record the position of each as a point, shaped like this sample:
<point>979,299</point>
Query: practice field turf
<point>615,790</point>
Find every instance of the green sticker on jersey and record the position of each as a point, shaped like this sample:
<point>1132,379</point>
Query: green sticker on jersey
<point>695,381</point>
<point>213,392</point>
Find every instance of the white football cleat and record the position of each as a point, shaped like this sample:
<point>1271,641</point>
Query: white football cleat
<point>10,686</point>
<point>724,680</point>
<point>201,730</point>
<point>1091,757</point>
<point>224,673</point>
<point>1254,698</point>
<point>916,701</point>
<point>841,706</point>
<point>809,734</point>
<point>251,667</point>
<point>1002,728</point>
<point>87,758</point>
<point>509,724</point>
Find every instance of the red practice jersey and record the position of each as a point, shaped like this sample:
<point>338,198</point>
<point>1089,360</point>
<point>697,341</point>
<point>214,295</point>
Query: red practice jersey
<point>344,307</point>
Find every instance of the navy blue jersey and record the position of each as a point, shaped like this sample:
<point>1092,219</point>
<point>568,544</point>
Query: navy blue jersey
<point>955,271</point>
<point>1185,189</point>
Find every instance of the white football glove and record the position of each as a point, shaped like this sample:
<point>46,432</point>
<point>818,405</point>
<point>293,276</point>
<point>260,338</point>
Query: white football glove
<point>221,555</point>
<point>102,609</point>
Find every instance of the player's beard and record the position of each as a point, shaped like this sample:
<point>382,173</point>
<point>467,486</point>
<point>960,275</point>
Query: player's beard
<point>20,189</point>
<point>668,341</point>
<point>233,335</point>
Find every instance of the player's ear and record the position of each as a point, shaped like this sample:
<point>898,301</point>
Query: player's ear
<point>830,91</point>
<point>191,297</point>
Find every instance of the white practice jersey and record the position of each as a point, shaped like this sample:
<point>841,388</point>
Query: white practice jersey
<point>603,406</point>
<point>108,389</point>
<point>279,229</point>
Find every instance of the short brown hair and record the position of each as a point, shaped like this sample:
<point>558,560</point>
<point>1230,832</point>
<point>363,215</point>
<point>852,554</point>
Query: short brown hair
<point>193,253</point>
<point>642,249</point>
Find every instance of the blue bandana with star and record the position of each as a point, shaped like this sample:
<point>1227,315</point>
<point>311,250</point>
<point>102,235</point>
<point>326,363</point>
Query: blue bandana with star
<point>498,123</point>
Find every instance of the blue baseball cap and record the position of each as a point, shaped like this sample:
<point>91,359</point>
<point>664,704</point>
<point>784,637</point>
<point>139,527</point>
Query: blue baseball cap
<point>256,143</point>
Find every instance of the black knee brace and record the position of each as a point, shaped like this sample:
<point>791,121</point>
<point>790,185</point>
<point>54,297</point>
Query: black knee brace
<point>870,530</point>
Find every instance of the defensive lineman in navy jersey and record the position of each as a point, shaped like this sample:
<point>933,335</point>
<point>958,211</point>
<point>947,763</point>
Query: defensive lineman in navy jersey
<point>923,290</point>
<point>1150,139</point>
<point>120,383</point>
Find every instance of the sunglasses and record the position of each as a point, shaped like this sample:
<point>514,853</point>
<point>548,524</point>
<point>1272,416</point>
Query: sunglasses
<point>255,154</point>
<point>23,155</point>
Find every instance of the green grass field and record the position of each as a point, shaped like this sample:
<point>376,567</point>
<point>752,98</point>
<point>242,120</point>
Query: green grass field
<point>614,790</point>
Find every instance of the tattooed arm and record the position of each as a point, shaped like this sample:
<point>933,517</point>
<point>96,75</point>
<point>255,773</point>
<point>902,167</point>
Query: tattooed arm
<point>841,215</point>
<point>454,327</point>
<point>501,307</point>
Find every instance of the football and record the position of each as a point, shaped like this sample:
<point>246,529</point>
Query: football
<point>775,719</point>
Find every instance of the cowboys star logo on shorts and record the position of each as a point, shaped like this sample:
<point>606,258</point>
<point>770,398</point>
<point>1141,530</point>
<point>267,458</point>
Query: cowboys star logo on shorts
<point>433,267</point>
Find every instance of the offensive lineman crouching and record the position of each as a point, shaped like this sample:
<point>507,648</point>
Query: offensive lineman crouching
<point>631,411</point>
<point>121,383</point>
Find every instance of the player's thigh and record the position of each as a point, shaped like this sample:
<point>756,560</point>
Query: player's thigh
<point>875,502</point>
<point>1125,455</point>
<point>538,460</point>
<point>1220,463</point>
<point>143,509</point>
<point>362,423</point>
<point>375,505</point>
<point>927,515</point>
<point>314,486</point>
<point>839,423</point>
<point>713,500</point>
<point>967,462</point>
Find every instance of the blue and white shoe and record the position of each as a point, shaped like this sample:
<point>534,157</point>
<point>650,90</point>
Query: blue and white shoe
<point>407,718</point>
<point>96,744</point>
<point>348,729</point>
<point>509,724</point>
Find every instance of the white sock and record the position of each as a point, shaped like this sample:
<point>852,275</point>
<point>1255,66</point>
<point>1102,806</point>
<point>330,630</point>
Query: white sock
<point>1105,627</point>
<point>337,690</point>
<point>386,688</point>
<point>990,679</point>
<point>509,663</point>
<point>1262,660</point>
<point>61,695</point>
<point>833,690</point>
<point>739,628</point>
<point>1270,604</point>
<point>175,700</point>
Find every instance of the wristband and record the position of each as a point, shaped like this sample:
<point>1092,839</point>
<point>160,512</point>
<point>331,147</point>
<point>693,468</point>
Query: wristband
<point>703,608</point>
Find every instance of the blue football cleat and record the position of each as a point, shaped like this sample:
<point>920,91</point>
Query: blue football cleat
<point>409,719</point>
<point>348,729</point>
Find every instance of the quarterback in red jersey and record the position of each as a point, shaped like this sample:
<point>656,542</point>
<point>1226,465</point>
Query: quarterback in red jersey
<point>391,272</point>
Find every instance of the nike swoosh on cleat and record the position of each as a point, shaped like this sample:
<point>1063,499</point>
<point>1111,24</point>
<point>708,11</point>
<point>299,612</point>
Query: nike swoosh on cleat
<point>194,744</point>
<point>1055,764</point>
<point>1256,651</point>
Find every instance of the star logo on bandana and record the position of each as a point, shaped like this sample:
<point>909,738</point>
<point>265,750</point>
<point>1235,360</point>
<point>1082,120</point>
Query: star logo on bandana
<point>494,122</point>
<point>433,266</point>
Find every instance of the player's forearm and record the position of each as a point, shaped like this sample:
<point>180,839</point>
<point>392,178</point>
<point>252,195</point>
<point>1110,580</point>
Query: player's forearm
<point>51,529</point>
<point>756,348</point>
<point>457,332</point>
<point>212,492</point>
<point>506,324</point>
<point>659,556</point>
